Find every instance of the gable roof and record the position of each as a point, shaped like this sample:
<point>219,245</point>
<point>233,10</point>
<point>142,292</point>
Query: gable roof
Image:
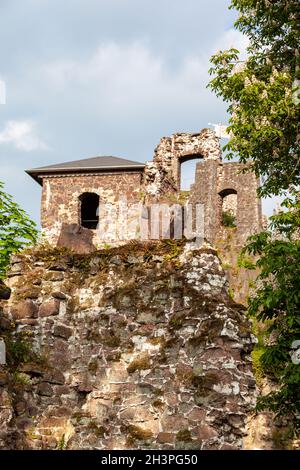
<point>94,164</point>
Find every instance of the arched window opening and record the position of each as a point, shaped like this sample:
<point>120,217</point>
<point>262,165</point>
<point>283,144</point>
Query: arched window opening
<point>188,168</point>
<point>228,208</point>
<point>89,210</point>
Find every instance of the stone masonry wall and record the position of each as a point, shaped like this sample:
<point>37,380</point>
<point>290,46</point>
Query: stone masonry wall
<point>205,192</point>
<point>214,179</point>
<point>248,215</point>
<point>60,198</point>
<point>160,182</point>
<point>162,175</point>
<point>132,347</point>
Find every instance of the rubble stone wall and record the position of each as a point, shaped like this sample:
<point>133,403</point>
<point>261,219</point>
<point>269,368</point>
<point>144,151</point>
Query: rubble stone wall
<point>138,346</point>
<point>163,173</point>
<point>248,214</point>
<point>61,203</point>
<point>214,180</point>
<point>205,192</point>
<point>160,182</point>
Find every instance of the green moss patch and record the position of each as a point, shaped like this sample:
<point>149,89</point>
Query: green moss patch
<point>184,435</point>
<point>140,363</point>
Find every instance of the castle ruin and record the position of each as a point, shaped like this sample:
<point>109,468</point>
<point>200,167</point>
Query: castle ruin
<point>136,345</point>
<point>72,191</point>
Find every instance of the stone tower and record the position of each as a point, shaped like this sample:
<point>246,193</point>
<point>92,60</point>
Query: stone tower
<point>220,186</point>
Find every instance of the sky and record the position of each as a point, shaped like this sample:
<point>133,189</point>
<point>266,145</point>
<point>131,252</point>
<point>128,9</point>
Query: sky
<point>80,78</point>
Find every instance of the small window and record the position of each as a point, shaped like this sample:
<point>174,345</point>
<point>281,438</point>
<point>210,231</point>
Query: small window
<point>228,207</point>
<point>89,210</point>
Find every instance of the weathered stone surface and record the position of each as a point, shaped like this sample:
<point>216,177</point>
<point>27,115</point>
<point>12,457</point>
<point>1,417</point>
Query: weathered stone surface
<point>60,202</point>
<point>63,331</point>
<point>54,276</point>
<point>207,432</point>
<point>166,438</point>
<point>163,173</point>
<point>24,309</point>
<point>77,238</point>
<point>48,308</point>
<point>3,378</point>
<point>16,269</point>
<point>45,389</point>
<point>32,369</point>
<point>4,291</point>
<point>58,266</point>
<point>54,376</point>
<point>220,186</point>
<point>138,355</point>
<point>33,293</point>
<point>59,295</point>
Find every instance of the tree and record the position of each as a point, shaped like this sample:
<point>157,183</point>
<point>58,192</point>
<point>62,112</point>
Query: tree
<point>263,99</point>
<point>16,229</point>
<point>263,92</point>
<point>277,302</point>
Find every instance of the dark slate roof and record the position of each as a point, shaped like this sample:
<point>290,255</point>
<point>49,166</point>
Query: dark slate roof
<point>94,164</point>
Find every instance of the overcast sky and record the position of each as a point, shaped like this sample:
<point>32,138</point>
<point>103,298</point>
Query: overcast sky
<point>103,77</point>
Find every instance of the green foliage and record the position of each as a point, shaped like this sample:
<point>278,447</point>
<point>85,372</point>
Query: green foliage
<point>62,443</point>
<point>263,92</point>
<point>174,249</point>
<point>245,261</point>
<point>106,246</point>
<point>263,97</point>
<point>256,364</point>
<point>228,219</point>
<point>19,350</point>
<point>231,293</point>
<point>277,301</point>
<point>183,196</point>
<point>16,229</point>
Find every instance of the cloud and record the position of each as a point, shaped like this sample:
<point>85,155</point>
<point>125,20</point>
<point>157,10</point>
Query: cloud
<point>130,80</point>
<point>132,77</point>
<point>2,92</point>
<point>22,135</point>
<point>111,79</point>
<point>235,39</point>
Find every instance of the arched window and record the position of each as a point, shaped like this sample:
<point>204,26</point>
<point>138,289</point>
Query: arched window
<point>89,210</point>
<point>228,205</point>
<point>187,171</point>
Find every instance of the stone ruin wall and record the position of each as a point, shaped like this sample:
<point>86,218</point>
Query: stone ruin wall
<point>160,182</point>
<point>60,210</point>
<point>162,175</point>
<point>249,212</point>
<point>134,347</point>
<point>212,178</point>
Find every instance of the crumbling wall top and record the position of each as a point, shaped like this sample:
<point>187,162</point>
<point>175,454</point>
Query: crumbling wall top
<point>163,173</point>
<point>205,143</point>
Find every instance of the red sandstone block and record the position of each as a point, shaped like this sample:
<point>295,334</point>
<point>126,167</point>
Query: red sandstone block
<point>24,309</point>
<point>166,438</point>
<point>207,432</point>
<point>48,308</point>
<point>197,414</point>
